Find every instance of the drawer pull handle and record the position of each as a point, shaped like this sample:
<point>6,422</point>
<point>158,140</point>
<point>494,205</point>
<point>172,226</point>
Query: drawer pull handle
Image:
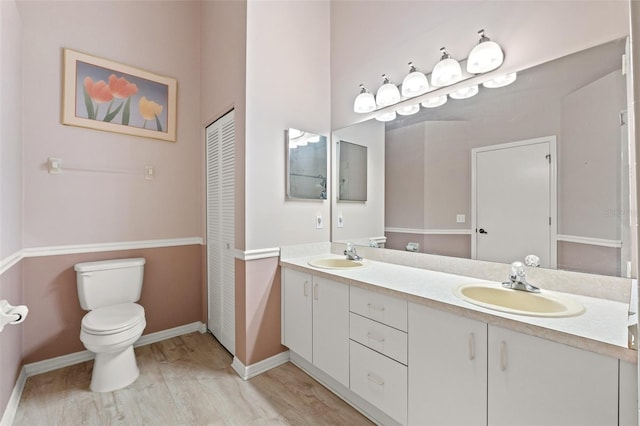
<point>315,291</point>
<point>472,346</point>
<point>375,307</point>
<point>375,379</point>
<point>306,288</point>
<point>375,337</point>
<point>503,355</point>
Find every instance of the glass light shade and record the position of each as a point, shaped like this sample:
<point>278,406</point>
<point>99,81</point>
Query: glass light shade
<point>388,94</point>
<point>434,102</point>
<point>365,102</point>
<point>409,110</point>
<point>414,84</point>
<point>464,93</point>
<point>446,72</point>
<point>389,116</point>
<point>485,57</point>
<point>500,81</point>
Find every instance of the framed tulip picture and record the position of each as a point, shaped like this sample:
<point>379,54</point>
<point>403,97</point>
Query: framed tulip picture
<point>105,95</point>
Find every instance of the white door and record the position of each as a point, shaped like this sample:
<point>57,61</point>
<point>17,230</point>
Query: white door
<point>220,143</point>
<point>513,201</point>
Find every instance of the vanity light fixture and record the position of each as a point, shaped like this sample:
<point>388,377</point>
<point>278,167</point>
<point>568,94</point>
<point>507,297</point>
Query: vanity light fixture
<point>388,93</point>
<point>434,102</point>
<point>409,109</point>
<point>465,92</point>
<point>447,71</point>
<point>485,57</point>
<point>500,81</point>
<point>415,83</point>
<point>388,116</point>
<point>365,102</point>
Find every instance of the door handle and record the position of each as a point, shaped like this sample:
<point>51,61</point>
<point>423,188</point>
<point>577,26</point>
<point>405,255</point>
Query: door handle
<point>482,231</point>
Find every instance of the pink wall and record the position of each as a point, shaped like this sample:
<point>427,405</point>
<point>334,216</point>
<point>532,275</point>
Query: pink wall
<point>171,295</point>
<point>93,207</point>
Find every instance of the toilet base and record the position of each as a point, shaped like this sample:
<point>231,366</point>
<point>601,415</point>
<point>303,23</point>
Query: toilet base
<point>114,370</point>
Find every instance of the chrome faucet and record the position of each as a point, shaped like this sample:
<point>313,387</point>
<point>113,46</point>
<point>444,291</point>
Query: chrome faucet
<point>351,253</point>
<point>518,281</point>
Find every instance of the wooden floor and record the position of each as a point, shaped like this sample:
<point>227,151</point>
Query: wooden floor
<point>186,380</point>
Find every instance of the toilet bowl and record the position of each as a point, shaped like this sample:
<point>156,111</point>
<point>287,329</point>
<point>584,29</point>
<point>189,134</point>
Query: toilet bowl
<point>115,322</point>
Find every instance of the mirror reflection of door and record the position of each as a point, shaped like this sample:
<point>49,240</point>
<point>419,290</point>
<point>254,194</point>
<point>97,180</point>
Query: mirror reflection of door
<point>514,201</point>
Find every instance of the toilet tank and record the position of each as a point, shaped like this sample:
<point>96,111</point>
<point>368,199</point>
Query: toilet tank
<point>109,282</point>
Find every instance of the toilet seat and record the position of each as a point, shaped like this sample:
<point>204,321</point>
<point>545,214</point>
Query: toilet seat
<point>113,319</point>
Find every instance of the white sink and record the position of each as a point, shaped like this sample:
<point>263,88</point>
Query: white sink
<point>517,301</point>
<point>336,263</point>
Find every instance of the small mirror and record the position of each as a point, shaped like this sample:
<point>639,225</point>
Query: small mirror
<point>306,165</point>
<point>352,172</point>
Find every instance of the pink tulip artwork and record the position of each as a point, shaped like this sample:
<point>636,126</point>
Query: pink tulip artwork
<point>109,96</point>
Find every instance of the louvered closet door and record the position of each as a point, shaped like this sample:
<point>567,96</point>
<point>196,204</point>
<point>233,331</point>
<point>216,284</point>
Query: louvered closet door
<point>220,230</point>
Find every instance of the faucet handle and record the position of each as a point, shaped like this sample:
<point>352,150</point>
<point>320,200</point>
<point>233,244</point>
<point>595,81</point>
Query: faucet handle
<point>532,260</point>
<point>517,269</point>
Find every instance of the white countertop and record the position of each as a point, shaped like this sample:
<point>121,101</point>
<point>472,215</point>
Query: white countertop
<point>602,328</point>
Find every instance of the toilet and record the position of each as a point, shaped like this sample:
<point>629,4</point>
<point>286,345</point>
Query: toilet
<point>108,290</point>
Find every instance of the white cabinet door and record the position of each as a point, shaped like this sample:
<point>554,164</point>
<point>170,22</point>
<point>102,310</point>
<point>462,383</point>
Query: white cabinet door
<point>331,328</point>
<point>296,312</point>
<point>447,368</point>
<point>533,381</point>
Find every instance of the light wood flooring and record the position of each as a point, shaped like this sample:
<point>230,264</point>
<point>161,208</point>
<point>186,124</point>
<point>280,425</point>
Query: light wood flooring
<point>185,380</point>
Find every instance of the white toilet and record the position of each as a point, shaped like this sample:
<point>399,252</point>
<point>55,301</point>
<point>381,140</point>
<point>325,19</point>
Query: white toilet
<point>108,289</point>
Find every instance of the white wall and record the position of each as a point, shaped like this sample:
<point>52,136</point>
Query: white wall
<point>287,86</point>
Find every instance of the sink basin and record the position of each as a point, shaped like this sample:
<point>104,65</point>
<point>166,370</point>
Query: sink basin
<point>336,263</point>
<point>518,302</point>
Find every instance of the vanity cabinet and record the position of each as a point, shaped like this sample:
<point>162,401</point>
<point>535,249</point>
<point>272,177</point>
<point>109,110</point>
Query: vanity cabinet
<point>533,381</point>
<point>315,321</point>
<point>447,368</point>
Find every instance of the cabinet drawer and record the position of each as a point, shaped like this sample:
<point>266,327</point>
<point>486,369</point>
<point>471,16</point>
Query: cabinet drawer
<point>379,307</point>
<point>379,337</point>
<point>379,380</point>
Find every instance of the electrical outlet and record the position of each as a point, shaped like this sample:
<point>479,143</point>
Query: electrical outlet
<point>149,173</point>
<point>55,166</point>
<point>460,218</point>
<point>340,220</point>
<point>319,222</point>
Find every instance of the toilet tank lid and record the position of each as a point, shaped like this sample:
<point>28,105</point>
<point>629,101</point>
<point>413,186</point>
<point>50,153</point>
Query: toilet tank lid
<point>101,265</point>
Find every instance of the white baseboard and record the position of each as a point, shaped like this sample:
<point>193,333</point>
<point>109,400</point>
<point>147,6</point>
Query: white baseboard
<point>14,399</point>
<point>247,372</point>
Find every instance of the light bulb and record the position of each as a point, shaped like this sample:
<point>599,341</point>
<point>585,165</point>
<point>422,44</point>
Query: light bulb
<point>446,72</point>
<point>500,81</point>
<point>485,57</point>
<point>434,102</point>
<point>409,109</point>
<point>415,83</point>
<point>388,116</point>
<point>365,102</point>
<point>388,93</point>
<point>464,93</point>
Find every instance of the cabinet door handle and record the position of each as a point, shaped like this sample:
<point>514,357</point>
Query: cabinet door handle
<point>503,355</point>
<point>375,337</point>
<point>374,378</point>
<point>375,307</point>
<point>472,346</point>
<point>306,288</point>
<point>315,291</point>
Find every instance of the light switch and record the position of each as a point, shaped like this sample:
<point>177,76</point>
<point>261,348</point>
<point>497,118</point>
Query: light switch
<point>340,220</point>
<point>319,222</point>
<point>149,173</point>
<point>460,218</point>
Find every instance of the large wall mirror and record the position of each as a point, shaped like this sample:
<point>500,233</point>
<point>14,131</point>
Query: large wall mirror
<point>577,104</point>
<point>306,165</point>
